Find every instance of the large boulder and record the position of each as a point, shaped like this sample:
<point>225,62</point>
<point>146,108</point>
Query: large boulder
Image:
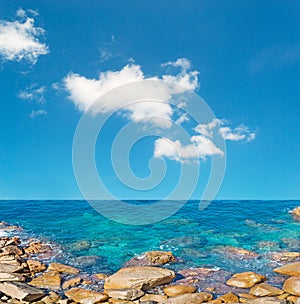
<point>21,291</point>
<point>190,298</point>
<point>61,268</point>
<point>292,269</point>
<point>176,290</point>
<point>292,286</point>
<point>265,290</point>
<point>245,279</point>
<point>47,280</point>
<point>141,277</point>
<point>85,296</point>
<point>151,258</point>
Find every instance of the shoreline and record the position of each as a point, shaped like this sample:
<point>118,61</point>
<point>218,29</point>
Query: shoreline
<point>29,272</point>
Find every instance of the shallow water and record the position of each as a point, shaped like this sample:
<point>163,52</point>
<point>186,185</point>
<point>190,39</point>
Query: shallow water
<point>195,237</point>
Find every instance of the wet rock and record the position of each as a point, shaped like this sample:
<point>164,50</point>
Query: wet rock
<point>85,296</point>
<point>21,291</point>
<point>47,280</point>
<point>151,258</point>
<point>71,283</point>
<point>190,298</point>
<point>35,266</point>
<point>236,252</point>
<point>292,286</point>
<point>245,279</point>
<point>124,294</point>
<point>292,269</point>
<point>61,268</point>
<point>139,277</point>
<point>229,298</point>
<point>285,256</point>
<point>265,290</point>
<point>153,297</point>
<point>9,277</point>
<point>176,290</point>
<point>87,261</point>
<point>37,248</point>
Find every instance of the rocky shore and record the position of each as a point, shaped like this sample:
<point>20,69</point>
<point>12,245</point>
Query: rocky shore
<point>145,279</point>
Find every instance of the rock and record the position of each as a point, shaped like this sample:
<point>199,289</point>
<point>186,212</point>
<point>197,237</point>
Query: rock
<point>124,294</point>
<point>236,252</point>
<point>47,280</point>
<point>176,290</point>
<point>283,296</point>
<point>84,296</point>
<point>11,259</point>
<point>71,283</point>
<point>265,290</point>
<point>10,268</point>
<point>190,298</point>
<point>293,299</point>
<point>141,277</point>
<point>229,298</point>
<point>268,300</point>
<point>11,249</point>
<point>292,269</point>
<point>37,248</point>
<point>61,268</point>
<point>52,297</point>
<point>285,256</point>
<point>99,276</point>
<point>296,213</point>
<point>81,245</point>
<point>8,277</point>
<point>245,279</point>
<point>153,297</point>
<point>21,291</point>
<point>292,286</point>
<point>35,266</point>
<point>151,258</point>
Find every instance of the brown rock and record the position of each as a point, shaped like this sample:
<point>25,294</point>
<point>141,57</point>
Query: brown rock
<point>11,249</point>
<point>10,268</point>
<point>51,298</point>
<point>283,296</point>
<point>10,259</point>
<point>176,290</point>
<point>47,280</point>
<point>245,279</point>
<point>153,297</point>
<point>100,276</point>
<point>37,248</point>
<point>268,300</point>
<point>61,268</point>
<point>139,277</point>
<point>124,294</point>
<point>36,266</point>
<point>229,298</point>
<point>71,283</point>
<point>293,299</point>
<point>292,269</point>
<point>190,298</point>
<point>285,256</point>
<point>84,296</point>
<point>152,258</point>
<point>21,291</point>
<point>9,277</point>
<point>296,213</point>
<point>292,286</point>
<point>265,290</point>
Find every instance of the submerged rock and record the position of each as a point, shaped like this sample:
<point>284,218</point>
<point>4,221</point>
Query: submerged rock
<point>245,279</point>
<point>268,300</point>
<point>236,252</point>
<point>141,277</point>
<point>151,258</point>
<point>292,269</point>
<point>285,256</point>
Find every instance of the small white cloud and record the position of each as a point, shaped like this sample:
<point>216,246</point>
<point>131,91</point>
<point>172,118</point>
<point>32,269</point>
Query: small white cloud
<point>20,39</point>
<point>183,118</point>
<point>182,63</point>
<point>105,54</point>
<point>37,113</point>
<point>240,133</point>
<point>33,93</point>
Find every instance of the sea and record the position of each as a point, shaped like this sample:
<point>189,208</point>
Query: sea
<point>198,238</point>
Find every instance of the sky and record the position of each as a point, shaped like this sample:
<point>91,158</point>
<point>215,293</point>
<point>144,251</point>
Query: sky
<point>61,62</point>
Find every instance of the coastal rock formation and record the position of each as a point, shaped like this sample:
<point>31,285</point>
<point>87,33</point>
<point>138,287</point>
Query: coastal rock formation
<point>85,296</point>
<point>229,298</point>
<point>292,269</point>
<point>285,256</point>
<point>124,294</point>
<point>269,300</point>
<point>8,277</point>
<point>190,298</point>
<point>141,277</point>
<point>71,283</point>
<point>61,268</point>
<point>35,266</point>
<point>296,213</point>
<point>292,286</point>
<point>265,290</point>
<point>151,258</point>
<point>176,290</point>
<point>153,297</point>
<point>245,279</point>
<point>47,280</point>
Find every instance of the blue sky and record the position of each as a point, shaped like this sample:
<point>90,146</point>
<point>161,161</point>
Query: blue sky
<point>242,58</point>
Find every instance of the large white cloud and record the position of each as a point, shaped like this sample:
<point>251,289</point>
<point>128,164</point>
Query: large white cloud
<point>83,92</point>
<point>21,39</point>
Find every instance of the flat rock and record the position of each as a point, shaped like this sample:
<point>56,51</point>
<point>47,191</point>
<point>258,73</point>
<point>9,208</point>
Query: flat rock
<point>7,277</point>
<point>153,297</point>
<point>10,259</point>
<point>245,279</point>
<point>291,269</point>
<point>21,291</point>
<point>10,268</point>
<point>176,290</point>
<point>268,300</point>
<point>35,266</point>
<point>84,296</point>
<point>47,280</point>
<point>151,258</point>
<point>141,277</point>
<point>229,298</point>
<point>190,298</point>
<point>292,286</point>
<point>124,294</point>
<point>71,283</point>
<point>265,290</point>
<point>61,268</point>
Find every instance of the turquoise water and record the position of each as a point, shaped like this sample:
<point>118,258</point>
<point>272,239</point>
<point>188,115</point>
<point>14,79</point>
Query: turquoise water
<point>195,237</point>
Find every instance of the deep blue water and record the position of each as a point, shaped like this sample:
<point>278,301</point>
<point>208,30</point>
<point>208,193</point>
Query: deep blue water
<point>194,236</point>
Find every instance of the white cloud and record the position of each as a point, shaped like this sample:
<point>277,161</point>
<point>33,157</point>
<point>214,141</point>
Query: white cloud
<point>240,133</point>
<point>85,91</point>
<point>37,113</point>
<point>20,39</point>
<point>33,93</point>
<point>183,118</point>
<point>182,63</point>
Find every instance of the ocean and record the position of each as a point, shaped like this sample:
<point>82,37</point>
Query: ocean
<point>84,238</point>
